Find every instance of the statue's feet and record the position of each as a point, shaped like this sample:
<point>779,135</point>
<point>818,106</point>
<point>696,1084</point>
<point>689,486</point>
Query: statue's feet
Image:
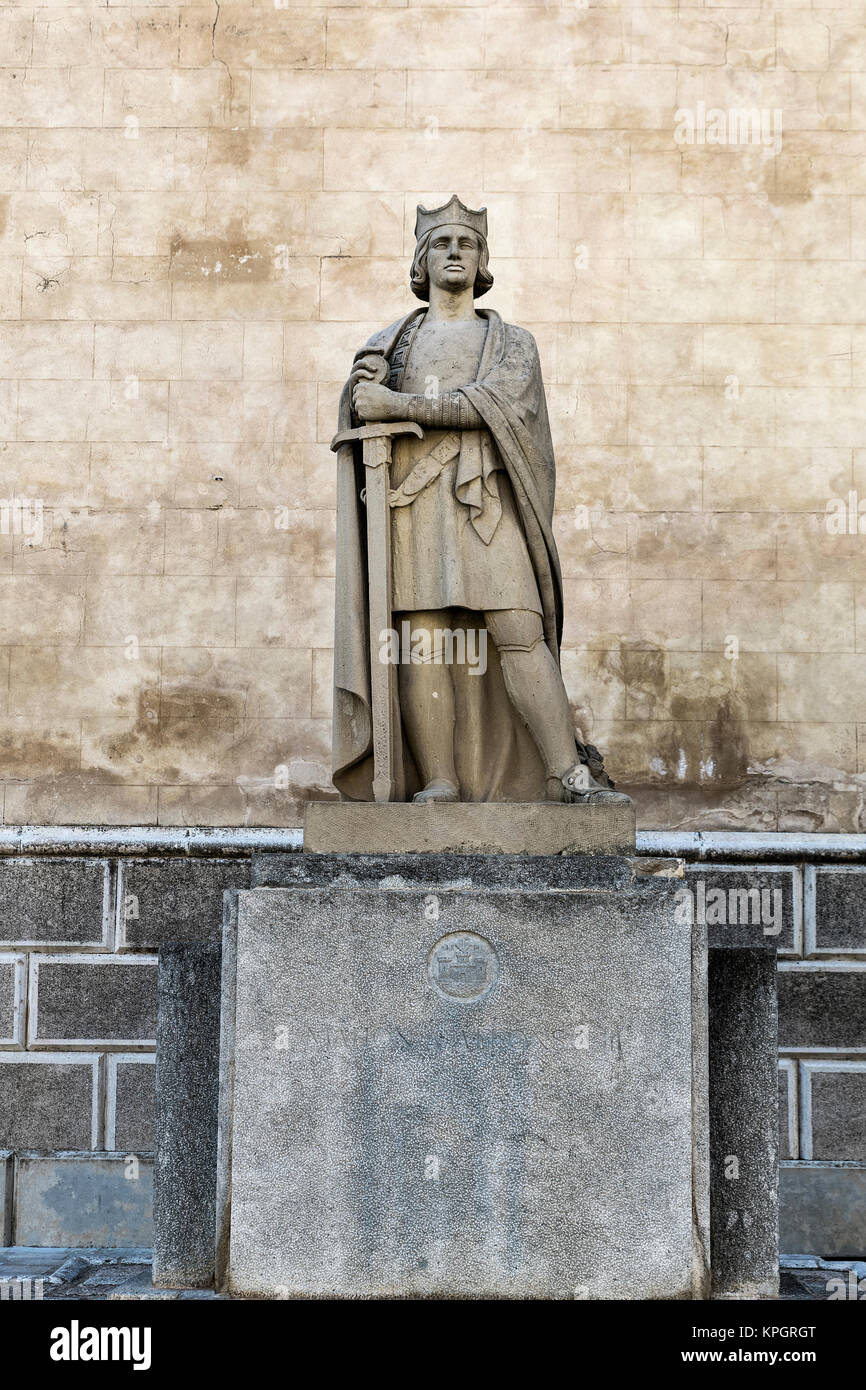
<point>579,785</point>
<point>440,789</point>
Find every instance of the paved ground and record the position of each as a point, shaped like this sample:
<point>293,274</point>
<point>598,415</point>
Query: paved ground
<point>84,1275</point>
<point>808,1277</point>
<point>96,1275</point>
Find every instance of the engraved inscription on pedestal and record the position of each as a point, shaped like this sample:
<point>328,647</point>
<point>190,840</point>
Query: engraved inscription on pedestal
<point>463,966</point>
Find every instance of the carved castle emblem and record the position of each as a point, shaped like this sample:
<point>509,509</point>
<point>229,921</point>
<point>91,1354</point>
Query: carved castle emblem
<point>463,966</point>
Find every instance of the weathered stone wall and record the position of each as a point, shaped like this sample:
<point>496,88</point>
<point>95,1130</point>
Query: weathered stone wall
<point>204,209</point>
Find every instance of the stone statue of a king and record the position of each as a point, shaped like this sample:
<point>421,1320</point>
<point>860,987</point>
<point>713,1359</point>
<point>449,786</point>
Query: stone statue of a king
<point>472,552</point>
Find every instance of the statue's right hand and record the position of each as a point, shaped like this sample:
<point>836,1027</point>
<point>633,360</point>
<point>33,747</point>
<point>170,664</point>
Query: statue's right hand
<point>373,366</point>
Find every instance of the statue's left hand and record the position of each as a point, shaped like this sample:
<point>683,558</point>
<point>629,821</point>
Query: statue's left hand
<point>374,402</point>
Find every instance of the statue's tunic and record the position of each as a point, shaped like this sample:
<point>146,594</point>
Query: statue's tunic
<point>457,540</point>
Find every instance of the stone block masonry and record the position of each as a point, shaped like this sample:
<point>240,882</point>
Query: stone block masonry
<point>78,976</point>
<point>50,1101</point>
<point>13,974</point>
<point>813,912</point>
<point>130,1099</point>
<point>81,1001</point>
<point>90,1094</point>
<point>172,899</point>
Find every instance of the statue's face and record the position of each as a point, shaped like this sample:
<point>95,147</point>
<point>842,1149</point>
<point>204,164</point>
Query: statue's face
<point>452,257</point>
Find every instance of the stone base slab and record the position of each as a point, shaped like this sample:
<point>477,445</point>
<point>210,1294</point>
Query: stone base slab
<point>466,827</point>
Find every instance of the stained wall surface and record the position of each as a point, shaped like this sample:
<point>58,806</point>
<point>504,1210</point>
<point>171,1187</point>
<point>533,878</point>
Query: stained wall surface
<point>204,211</point>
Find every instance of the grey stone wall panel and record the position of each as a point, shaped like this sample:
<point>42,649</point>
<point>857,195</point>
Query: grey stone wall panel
<point>839,908</point>
<point>789,1143</point>
<point>759,898</point>
<point>49,1102</point>
<point>174,899</point>
<point>55,902</point>
<point>130,1103</point>
<point>13,971</point>
<point>822,1209</point>
<point>836,1111</point>
<point>822,1008</point>
<point>80,1001</point>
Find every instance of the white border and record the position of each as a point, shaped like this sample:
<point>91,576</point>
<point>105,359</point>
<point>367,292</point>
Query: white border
<point>73,958</point>
<point>19,999</point>
<point>788,1066</point>
<point>113,1062</point>
<point>807,1070</point>
<point>50,1059</point>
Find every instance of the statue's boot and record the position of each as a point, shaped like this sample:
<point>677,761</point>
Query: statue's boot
<point>578,784</point>
<point>440,789</point>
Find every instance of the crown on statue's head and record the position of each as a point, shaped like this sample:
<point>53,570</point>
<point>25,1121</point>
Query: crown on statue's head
<point>450,213</point>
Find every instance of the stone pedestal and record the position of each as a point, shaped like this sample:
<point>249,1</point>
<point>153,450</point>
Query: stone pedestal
<point>475,1077</point>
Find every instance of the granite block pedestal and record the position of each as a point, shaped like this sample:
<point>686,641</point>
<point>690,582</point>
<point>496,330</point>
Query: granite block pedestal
<point>467,1076</point>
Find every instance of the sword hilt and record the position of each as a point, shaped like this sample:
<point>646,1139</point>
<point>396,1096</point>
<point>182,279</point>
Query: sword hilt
<point>380,429</point>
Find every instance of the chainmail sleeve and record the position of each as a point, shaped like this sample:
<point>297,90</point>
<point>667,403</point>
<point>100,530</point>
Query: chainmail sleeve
<point>450,411</point>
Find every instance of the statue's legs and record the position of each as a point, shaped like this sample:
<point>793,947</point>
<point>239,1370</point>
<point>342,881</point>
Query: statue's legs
<point>427,708</point>
<point>534,685</point>
<point>533,682</point>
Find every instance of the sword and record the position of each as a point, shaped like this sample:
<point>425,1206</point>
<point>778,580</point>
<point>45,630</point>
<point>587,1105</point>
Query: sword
<point>376,440</point>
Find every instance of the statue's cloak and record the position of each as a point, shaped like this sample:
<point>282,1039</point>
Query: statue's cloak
<point>496,758</point>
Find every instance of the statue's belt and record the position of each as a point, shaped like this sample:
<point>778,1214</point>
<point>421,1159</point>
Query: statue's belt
<point>426,470</point>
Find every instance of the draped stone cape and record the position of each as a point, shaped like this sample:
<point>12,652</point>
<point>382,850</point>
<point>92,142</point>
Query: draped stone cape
<point>496,758</point>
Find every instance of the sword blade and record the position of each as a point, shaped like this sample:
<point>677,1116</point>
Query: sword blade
<point>383,676</point>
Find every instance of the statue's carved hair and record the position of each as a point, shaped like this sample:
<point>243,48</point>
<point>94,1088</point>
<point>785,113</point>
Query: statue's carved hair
<point>419,280</point>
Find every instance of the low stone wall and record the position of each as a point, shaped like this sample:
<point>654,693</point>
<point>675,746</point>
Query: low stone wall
<point>79,936</point>
<point>82,915</point>
<point>815,912</point>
